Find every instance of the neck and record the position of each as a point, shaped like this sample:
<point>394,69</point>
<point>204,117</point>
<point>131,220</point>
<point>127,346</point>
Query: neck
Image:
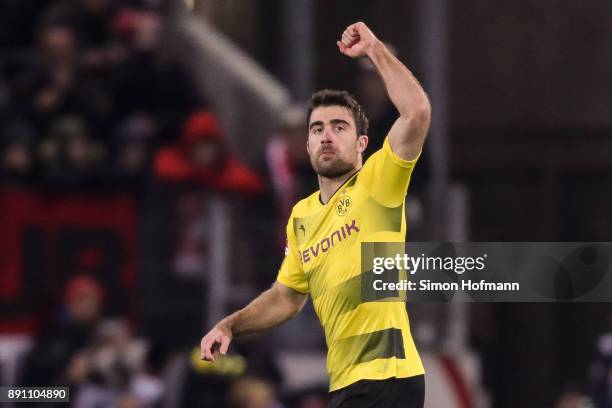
<point>329,185</point>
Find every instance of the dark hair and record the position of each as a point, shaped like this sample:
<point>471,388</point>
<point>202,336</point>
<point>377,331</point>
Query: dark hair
<point>332,97</point>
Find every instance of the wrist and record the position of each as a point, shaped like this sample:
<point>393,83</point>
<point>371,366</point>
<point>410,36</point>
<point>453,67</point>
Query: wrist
<point>226,324</point>
<point>375,49</point>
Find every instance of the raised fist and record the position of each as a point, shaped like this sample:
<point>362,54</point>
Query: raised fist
<point>357,40</point>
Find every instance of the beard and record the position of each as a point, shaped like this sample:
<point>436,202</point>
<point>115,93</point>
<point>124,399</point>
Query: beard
<point>331,168</point>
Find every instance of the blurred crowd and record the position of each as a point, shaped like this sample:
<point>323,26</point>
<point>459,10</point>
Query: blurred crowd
<point>90,99</point>
<point>106,364</point>
<point>88,94</point>
<point>98,358</point>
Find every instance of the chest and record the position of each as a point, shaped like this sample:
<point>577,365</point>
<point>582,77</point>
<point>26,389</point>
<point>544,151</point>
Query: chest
<point>330,238</point>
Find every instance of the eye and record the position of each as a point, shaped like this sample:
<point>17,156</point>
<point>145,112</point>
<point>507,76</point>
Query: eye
<point>316,130</point>
<point>339,128</point>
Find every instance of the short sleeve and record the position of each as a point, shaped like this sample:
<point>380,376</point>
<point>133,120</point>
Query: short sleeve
<point>387,176</point>
<point>291,273</point>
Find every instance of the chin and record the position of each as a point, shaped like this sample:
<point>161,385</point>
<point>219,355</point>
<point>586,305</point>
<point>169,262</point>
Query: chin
<point>333,170</point>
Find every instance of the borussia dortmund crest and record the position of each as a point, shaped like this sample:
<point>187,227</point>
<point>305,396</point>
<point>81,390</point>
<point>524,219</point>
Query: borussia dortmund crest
<point>343,205</point>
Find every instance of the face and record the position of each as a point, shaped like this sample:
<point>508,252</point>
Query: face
<point>333,144</point>
<point>96,6</point>
<point>133,157</point>
<point>206,153</point>
<point>58,44</point>
<point>85,307</point>
<point>77,150</point>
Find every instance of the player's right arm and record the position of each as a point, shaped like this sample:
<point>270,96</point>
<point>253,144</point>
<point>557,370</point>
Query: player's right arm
<point>273,307</point>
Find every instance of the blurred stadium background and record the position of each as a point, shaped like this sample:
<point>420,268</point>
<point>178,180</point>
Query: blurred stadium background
<point>150,151</point>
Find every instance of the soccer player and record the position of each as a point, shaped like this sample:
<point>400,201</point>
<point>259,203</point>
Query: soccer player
<point>372,360</point>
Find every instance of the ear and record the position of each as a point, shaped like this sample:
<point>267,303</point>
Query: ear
<point>362,143</point>
<point>307,147</point>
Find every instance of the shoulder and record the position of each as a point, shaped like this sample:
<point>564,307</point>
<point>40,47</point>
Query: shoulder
<point>386,176</point>
<point>386,153</point>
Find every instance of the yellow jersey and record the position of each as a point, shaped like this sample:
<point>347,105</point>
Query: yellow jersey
<point>365,339</point>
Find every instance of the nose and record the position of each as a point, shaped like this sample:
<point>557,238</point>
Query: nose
<point>327,136</point>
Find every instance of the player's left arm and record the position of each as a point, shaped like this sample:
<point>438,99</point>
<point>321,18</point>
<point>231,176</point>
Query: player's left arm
<point>408,133</point>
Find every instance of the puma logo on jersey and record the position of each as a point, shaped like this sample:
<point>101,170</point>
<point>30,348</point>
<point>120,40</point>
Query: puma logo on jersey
<point>328,242</point>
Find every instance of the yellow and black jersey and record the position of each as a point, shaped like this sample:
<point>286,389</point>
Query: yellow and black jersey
<point>365,340</point>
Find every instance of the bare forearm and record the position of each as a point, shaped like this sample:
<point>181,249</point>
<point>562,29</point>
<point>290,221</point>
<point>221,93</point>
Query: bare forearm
<point>403,88</point>
<point>268,310</point>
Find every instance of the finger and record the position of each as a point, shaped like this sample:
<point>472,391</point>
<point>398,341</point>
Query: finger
<point>355,27</point>
<point>204,353</point>
<point>203,346</point>
<point>350,33</point>
<point>225,342</point>
<point>214,349</point>
<point>206,349</point>
<point>206,342</point>
<point>347,37</point>
<point>341,47</point>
